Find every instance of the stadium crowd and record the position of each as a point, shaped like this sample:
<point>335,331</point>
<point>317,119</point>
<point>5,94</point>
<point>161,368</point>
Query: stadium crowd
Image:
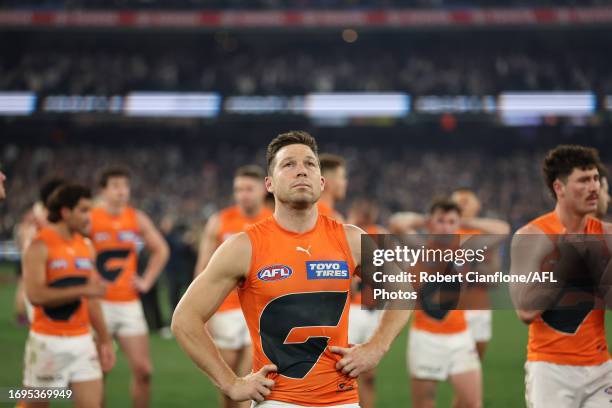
<point>232,66</point>
<point>190,184</point>
<point>284,4</point>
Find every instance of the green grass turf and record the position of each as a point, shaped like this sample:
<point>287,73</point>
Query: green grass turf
<point>177,383</point>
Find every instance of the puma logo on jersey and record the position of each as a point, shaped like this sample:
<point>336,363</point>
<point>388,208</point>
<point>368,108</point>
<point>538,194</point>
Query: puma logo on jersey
<point>327,270</point>
<point>300,249</point>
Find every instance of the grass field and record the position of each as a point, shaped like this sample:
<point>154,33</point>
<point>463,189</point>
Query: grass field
<point>177,383</point>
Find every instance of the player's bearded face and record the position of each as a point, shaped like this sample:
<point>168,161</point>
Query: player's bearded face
<point>79,217</point>
<point>444,222</point>
<point>581,190</point>
<point>117,190</point>
<point>296,176</point>
<point>337,180</point>
<point>249,193</point>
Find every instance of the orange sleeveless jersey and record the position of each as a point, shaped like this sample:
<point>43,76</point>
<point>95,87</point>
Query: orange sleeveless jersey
<point>69,263</point>
<point>115,238</point>
<point>443,322</point>
<point>295,301</point>
<point>324,209</point>
<point>232,221</point>
<point>583,345</point>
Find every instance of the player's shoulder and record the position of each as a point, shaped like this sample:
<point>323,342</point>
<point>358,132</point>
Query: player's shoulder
<point>235,246</point>
<point>98,211</point>
<point>606,227</point>
<point>230,211</point>
<point>540,225</point>
<point>265,225</point>
<point>529,229</point>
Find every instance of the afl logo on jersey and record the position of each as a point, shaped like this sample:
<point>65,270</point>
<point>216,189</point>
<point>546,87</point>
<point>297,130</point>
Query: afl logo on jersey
<point>274,273</point>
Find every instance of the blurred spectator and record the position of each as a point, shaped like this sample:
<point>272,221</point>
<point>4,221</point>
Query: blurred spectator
<point>462,63</point>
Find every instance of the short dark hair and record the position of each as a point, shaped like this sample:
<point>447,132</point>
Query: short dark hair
<point>65,196</point>
<point>603,172</point>
<point>563,159</point>
<point>110,172</point>
<point>48,187</point>
<point>445,205</point>
<point>289,138</point>
<point>330,162</point>
<point>250,170</point>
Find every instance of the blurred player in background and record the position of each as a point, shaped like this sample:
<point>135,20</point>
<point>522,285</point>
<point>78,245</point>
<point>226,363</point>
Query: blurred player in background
<point>363,213</point>
<point>31,222</point>
<point>604,194</point>
<point>333,169</point>
<point>480,318</point>
<point>116,228</point>
<point>62,284</point>
<point>440,345</point>
<point>568,363</point>
<point>296,305</point>
<point>228,326</point>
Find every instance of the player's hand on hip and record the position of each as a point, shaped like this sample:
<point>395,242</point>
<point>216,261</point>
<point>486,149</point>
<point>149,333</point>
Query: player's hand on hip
<point>141,285</point>
<point>254,386</point>
<point>358,359</point>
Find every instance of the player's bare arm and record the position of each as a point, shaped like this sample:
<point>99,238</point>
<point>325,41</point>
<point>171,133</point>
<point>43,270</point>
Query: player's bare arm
<point>104,341</point>
<point>406,222</point>
<point>486,225</point>
<point>158,247</point>
<point>208,243</point>
<point>41,294</point>
<point>364,357</point>
<point>227,268</point>
<point>529,247</point>
<point>605,284</point>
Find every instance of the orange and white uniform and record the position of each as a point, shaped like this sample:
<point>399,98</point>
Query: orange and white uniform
<point>439,342</point>
<point>362,320</point>
<point>228,327</point>
<point>480,321</point>
<point>296,303</point>
<point>60,349</point>
<point>568,363</point>
<point>325,209</point>
<point>116,239</point>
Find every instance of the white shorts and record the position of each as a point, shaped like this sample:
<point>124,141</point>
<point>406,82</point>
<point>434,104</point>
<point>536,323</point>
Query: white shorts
<point>362,324</point>
<point>279,404</point>
<point>550,385</point>
<point>58,361</point>
<point>479,322</point>
<point>437,356</point>
<point>124,319</point>
<point>229,330</point>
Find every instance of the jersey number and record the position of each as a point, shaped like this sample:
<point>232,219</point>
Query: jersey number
<point>291,329</point>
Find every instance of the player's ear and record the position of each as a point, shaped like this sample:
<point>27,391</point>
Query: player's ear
<point>269,184</point>
<point>322,183</point>
<point>65,212</point>
<point>558,187</point>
